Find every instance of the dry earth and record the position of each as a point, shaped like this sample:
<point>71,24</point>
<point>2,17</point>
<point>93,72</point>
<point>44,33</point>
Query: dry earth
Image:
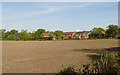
<point>48,56</point>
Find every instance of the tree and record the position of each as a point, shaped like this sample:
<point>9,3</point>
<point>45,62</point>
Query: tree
<point>24,35</point>
<point>2,33</point>
<point>39,32</point>
<point>112,30</point>
<point>70,37</point>
<point>13,31</point>
<point>58,33</point>
<point>97,33</point>
<point>10,37</point>
<point>7,34</point>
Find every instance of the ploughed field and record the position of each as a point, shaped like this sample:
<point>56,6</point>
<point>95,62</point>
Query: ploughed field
<point>49,56</point>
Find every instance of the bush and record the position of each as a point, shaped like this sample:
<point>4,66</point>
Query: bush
<point>77,37</point>
<point>70,37</point>
<point>65,39</point>
<point>16,39</point>
<point>50,38</point>
<point>109,63</point>
<point>117,36</point>
<point>10,37</point>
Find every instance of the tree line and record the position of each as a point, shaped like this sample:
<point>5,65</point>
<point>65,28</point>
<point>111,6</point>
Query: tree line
<point>112,31</point>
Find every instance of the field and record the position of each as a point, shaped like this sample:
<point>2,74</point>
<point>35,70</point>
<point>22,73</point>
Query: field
<point>50,56</point>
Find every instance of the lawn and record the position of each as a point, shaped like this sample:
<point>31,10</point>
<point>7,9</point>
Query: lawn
<point>50,56</point>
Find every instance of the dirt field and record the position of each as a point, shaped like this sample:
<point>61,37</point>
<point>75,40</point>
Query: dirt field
<point>48,56</point>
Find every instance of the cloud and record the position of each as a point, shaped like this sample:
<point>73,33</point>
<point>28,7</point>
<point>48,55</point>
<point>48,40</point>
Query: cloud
<point>50,9</point>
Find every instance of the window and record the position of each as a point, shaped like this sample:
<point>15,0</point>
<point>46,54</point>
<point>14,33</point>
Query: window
<point>76,34</point>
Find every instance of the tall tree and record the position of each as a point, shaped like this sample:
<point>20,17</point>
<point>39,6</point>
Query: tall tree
<point>39,32</point>
<point>24,35</point>
<point>2,33</point>
<point>112,30</point>
<point>58,33</point>
<point>13,31</point>
<point>97,33</point>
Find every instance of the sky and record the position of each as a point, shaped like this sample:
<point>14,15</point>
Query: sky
<point>65,16</point>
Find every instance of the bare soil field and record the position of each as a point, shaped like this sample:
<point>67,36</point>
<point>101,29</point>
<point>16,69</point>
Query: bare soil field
<point>49,56</point>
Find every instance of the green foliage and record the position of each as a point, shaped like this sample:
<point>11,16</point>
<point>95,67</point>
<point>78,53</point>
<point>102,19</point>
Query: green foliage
<point>117,36</point>
<point>77,37</point>
<point>58,33</point>
<point>24,35</point>
<point>50,38</point>
<point>65,39</point>
<point>70,37</point>
<point>108,63</point>
<point>96,33</point>
<point>39,32</point>
<point>68,71</point>
<point>112,30</point>
<point>10,37</point>
<point>2,34</point>
<point>13,31</point>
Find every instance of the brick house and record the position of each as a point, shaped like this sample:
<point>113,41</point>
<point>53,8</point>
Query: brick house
<point>47,35</point>
<point>66,35</point>
<point>81,35</point>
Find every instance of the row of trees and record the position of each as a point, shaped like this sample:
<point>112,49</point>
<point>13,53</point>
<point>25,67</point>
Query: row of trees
<point>112,31</point>
<point>24,35</point>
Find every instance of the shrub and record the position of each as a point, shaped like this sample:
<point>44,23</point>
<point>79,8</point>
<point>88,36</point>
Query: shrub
<point>68,71</point>
<point>109,63</point>
<point>70,37</point>
<point>65,39</point>
<point>117,36</point>
<point>77,37</point>
<point>50,38</point>
<point>10,37</point>
<point>16,39</point>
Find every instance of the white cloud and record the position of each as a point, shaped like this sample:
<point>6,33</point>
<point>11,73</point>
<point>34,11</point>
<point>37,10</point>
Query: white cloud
<point>50,9</point>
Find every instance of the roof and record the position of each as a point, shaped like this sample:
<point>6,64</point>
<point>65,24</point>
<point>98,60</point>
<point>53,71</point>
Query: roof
<point>47,34</point>
<point>68,32</point>
<point>82,32</point>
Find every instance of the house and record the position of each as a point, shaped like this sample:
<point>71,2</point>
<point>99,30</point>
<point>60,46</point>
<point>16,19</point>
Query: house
<point>80,35</point>
<point>66,35</point>
<point>47,35</point>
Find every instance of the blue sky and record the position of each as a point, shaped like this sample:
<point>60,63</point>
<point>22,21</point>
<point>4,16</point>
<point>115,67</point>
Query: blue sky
<point>65,16</point>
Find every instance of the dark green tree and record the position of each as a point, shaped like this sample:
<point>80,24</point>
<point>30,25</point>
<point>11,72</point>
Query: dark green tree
<point>58,33</point>
<point>97,33</point>
<point>112,30</point>
<point>13,31</point>
<point>24,35</point>
<point>39,32</point>
<point>2,34</point>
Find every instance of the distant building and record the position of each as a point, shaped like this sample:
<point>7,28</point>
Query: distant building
<point>66,35</point>
<point>48,35</point>
<point>81,35</point>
